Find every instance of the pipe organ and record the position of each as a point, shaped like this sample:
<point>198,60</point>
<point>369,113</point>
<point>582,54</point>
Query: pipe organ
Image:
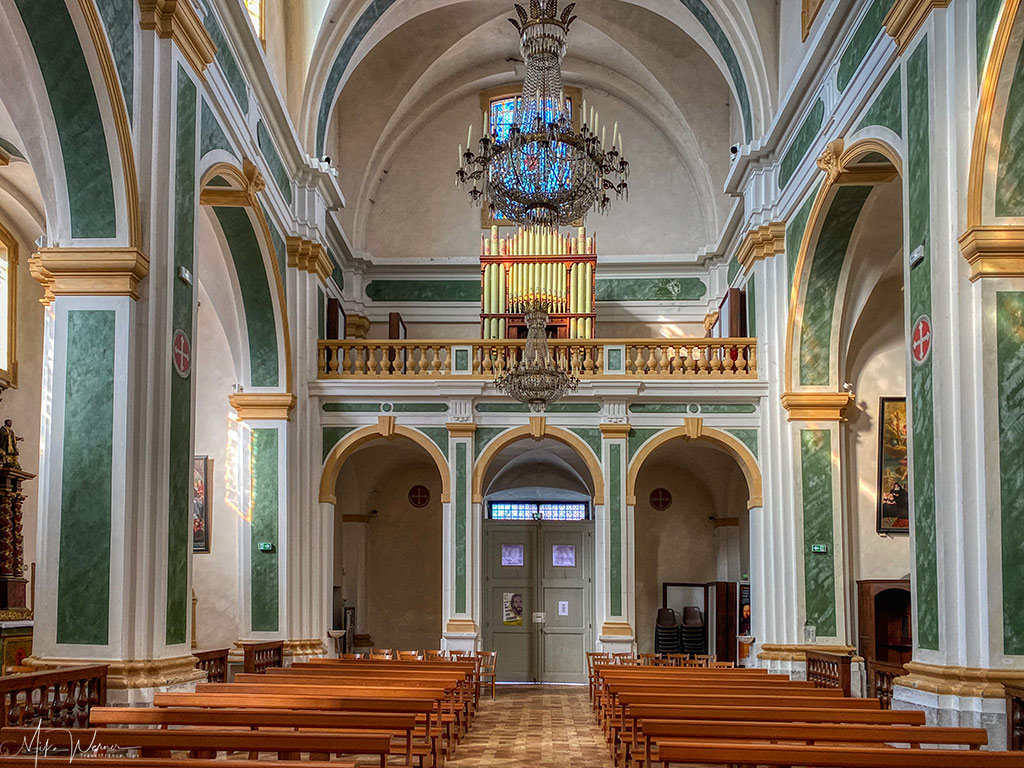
<point>537,264</point>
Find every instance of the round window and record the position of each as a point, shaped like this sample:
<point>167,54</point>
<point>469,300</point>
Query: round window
<point>419,496</point>
<point>661,499</point>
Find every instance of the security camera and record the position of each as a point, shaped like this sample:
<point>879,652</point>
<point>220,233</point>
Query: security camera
<point>327,159</point>
<point>735,149</point>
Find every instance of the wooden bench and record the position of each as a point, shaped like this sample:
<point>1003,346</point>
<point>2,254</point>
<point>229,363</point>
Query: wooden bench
<point>53,761</point>
<point>707,753</point>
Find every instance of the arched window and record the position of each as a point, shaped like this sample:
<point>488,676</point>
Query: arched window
<point>255,9</point>
<point>500,105</point>
<point>8,308</point>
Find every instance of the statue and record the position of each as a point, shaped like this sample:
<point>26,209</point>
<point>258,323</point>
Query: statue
<point>9,445</point>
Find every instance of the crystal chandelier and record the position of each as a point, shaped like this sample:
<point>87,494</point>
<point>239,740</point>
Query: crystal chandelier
<point>544,172</point>
<point>536,378</point>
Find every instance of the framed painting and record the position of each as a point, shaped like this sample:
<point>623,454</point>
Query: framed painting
<point>893,491</point>
<point>202,496</point>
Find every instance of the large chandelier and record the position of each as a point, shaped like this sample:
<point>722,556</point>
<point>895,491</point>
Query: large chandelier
<point>544,172</point>
<point>535,378</point>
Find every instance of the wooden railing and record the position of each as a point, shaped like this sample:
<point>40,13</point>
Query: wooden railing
<point>880,681</point>
<point>214,663</point>
<point>1015,718</point>
<point>586,358</point>
<point>260,656</point>
<point>61,698</point>
<point>829,670</point>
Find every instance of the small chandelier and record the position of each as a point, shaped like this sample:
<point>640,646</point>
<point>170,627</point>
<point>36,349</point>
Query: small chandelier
<point>535,378</point>
<point>544,172</point>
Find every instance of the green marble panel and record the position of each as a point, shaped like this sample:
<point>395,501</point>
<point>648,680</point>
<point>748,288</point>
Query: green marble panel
<point>640,435</point>
<point>823,284</point>
<point>439,436</point>
<point>420,407</point>
<point>922,412</point>
<point>280,249</point>
<point>1010,377</point>
<point>330,437</point>
<point>336,274</point>
<point>211,135</point>
<point>1009,182</point>
<point>795,232</point>
<point>266,502</point>
<point>483,436</point>
<point>524,408</point>
<point>615,534</point>
<point>752,308</point>
<point>352,407</point>
<point>76,113</point>
<point>985,29</point>
<point>819,568</point>
<point>591,437</point>
<point>734,268</point>
<point>118,21</point>
<point>801,143</point>
<point>659,408</point>
<point>86,493</point>
<point>651,289</point>
<point>179,492</point>
<point>11,150</point>
<point>423,290</point>
<point>273,158</point>
<point>227,62</point>
<point>461,520</point>
<point>748,437</point>
<point>728,408</point>
<point>887,108</point>
<point>866,33</point>
<point>260,322</point>
<point>321,316</point>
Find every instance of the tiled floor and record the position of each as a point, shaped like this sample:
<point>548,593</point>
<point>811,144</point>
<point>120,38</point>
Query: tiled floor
<point>540,726</point>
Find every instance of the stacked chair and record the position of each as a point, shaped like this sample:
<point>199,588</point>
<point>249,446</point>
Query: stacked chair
<point>666,632</point>
<point>692,630</point>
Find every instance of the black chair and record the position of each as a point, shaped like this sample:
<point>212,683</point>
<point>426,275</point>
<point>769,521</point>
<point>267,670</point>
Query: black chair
<point>692,630</point>
<point>666,632</point>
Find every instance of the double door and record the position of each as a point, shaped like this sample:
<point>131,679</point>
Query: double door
<point>538,595</point>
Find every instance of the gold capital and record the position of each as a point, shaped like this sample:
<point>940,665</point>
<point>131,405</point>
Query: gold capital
<point>89,271</point>
<point>262,406</point>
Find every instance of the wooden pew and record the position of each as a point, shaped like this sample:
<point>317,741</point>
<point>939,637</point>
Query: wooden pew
<point>203,742</point>
<point>413,743</point>
<point>722,753</point>
<point>468,668</point>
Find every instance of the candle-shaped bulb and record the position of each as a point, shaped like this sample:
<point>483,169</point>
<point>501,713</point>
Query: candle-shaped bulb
<point>602,135</point>
<point>615,132</point>
<point>469,137</point>
<point>460,155</point>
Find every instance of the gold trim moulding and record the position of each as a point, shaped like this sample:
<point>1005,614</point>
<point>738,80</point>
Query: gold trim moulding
<point>178,20</point>
<point>89,271</point>
<point>262,406</point>
<point>906,17</point>
<point>309,256</point>
<point>973,682</point>
<point>305,647</point>
<point>460,429</point>
<point>817,406</point>
<point>798,652</point>
<point>760,243</point>
<point>461,626</point>
<point>139,673</point>
<point>994,251</point>
<point>616,629</point>
<point>615,431</point>
<point>357,326</point>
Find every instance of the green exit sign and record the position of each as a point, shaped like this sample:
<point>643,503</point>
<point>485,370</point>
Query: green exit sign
<point>819,549</point>
<point>266,546</point>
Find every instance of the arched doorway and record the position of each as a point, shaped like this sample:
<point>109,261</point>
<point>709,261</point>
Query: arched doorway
<point>538,560</point>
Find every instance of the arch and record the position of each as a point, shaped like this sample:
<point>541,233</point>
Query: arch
<point>516,434</point>
<point>724,440</point>
<point>840,164</point>
<point>386,428</point>
<point>224,185</point>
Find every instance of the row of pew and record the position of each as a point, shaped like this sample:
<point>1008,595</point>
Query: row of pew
<point>320,712</point>
<point>748,717</point>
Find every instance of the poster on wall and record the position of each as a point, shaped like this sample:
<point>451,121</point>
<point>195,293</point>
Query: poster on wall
<point>512,609</point>
<point>202,488</point>
<point>893,493</point>
<point>743,630</point>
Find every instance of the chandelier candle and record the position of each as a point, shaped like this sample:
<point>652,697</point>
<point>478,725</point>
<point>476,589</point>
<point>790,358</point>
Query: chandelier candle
<point>541,170</point>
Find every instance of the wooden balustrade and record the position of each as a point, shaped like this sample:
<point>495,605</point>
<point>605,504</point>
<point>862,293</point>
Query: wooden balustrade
<point>61,698</point>
<point>258,657</point>
<point>214,663</point>
<point>829,670</point>
<point>1015,718</point>
<point>880,681</point>
<point>585,358</point>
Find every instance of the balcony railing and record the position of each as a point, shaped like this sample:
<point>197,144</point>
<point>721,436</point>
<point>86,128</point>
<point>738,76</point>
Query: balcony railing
<point>586,358</point>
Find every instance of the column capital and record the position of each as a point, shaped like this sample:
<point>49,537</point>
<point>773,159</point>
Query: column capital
<point>994,251</point>
<point>817,406</point>
<point>178,20</point>
<point>760,243</point>
<point>262,406</point>
<point>906,17</point>
<point>615,431</point>
<point>460,429</point>
<point>89,271</point>
<point>356,326</point>
<point>309,256</point>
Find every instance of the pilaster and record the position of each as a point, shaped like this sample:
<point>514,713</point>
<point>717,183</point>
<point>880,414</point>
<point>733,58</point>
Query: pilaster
<point>613,542</point>
<point>462,602</point>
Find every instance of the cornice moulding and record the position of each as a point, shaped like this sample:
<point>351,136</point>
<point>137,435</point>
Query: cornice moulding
<point>974,682</point>
<point>89,271</point>
<point>178,20</point>
<point>308,256</point>
<point>906,17</point>
<point>262,406</point>
<point>615,431</point>
<point>994,251</point>
<point>816,406</point>
<point>762,242</point>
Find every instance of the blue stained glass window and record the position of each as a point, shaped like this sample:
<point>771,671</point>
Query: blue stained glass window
<point>518,510</point>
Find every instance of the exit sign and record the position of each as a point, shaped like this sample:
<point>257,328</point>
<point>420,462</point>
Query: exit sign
<point>819,549</point>
<point>266,546</point>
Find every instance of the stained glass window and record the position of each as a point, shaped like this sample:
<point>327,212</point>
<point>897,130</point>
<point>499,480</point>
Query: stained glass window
<point>519,510</point>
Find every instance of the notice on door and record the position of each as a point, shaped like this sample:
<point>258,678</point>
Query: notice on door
<point>512,609</point>
<point>563,607</point>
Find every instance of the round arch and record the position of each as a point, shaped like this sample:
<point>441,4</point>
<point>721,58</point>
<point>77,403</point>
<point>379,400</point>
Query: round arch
<point>242,186</point>
<point>840,165</point>
<point>516,434</point>
<point>388,430</point>
<point>732,446</point>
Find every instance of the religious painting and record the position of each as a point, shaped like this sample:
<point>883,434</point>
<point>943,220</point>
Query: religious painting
<point>893,490</point>
<point>563,555</point>
<point>512,609</point>
<point>202,495</point>
<point>512,555</point>
<point>15,650</point>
